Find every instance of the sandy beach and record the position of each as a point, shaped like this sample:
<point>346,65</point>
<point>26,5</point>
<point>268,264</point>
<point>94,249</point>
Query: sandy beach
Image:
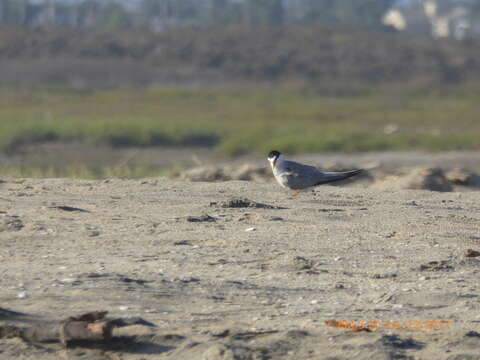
<point>242,270</point>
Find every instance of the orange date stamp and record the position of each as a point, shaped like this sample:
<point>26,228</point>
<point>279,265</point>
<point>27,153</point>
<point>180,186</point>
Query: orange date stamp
<point>369,325</point>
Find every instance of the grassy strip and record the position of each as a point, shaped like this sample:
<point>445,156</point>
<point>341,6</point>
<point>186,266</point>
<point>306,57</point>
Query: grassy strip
<point>246,119</point>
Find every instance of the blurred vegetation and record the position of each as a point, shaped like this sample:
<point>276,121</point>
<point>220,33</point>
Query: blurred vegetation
<point>241,119</point>
<point>85,59</point>
<point>162,14</point>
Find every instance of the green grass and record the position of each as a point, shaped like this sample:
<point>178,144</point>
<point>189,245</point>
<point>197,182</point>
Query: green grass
<point>246,119</point>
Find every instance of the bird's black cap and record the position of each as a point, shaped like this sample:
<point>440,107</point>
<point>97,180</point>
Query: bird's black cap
<point>273,154</point>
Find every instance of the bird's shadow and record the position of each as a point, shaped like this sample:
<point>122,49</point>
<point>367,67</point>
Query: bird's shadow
<point>10,315</point>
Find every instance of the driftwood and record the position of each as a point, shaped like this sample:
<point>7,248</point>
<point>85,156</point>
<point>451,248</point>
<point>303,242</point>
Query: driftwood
<point>87,327</point>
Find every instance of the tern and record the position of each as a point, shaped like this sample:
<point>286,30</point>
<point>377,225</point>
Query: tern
<point>297,176</point>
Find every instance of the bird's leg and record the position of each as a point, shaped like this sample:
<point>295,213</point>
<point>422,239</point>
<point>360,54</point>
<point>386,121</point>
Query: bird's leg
<point>295,192</point>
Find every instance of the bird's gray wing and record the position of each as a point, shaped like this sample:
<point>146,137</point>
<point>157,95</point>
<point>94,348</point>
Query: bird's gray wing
<point>328,177</point>
<point>300,176</point>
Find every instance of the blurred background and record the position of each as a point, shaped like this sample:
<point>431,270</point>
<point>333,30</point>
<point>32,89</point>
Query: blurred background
<point>137,88</point>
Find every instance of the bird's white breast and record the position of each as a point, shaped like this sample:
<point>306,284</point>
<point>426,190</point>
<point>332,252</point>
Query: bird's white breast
<point>279,172</point>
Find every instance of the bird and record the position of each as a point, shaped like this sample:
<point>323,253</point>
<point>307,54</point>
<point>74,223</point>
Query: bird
<point>297,176</point>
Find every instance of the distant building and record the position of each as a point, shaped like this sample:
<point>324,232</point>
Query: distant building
<point>436,18</point>
<point>395,18</point>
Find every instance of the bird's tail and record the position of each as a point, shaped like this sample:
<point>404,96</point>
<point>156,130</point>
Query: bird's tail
<point>337,176</point>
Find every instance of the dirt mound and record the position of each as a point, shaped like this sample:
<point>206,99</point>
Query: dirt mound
<point>243,203</point>
<point>248,172</point>
<point>205,173</point>
<point>417,179</point>
<point>463,177</point>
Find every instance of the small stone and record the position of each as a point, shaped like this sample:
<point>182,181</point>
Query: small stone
<point>384,276</point>
<point>22,295</point>
<point>190,279</point>
<point>220,333</point>
<point>472,333</point>
<point>472,253</point>
<point>250,229</point>
<point>123,308</point>
<point>71,281</point>
<point>182,243</point>
<point>437,266</point>
<point>10,223</point>
<point>301,263</point>
<point>202,218</point>
<point>243,203</point>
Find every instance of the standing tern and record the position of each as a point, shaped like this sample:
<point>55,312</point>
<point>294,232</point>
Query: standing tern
<point>297,176</point>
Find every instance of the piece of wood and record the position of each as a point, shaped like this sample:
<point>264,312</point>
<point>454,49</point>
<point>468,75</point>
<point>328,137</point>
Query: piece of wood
<point>86,327</point>
<point>8,332</point>
<point>67,331</point>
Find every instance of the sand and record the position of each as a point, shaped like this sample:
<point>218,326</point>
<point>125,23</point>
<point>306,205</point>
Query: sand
<point>243,282</point>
